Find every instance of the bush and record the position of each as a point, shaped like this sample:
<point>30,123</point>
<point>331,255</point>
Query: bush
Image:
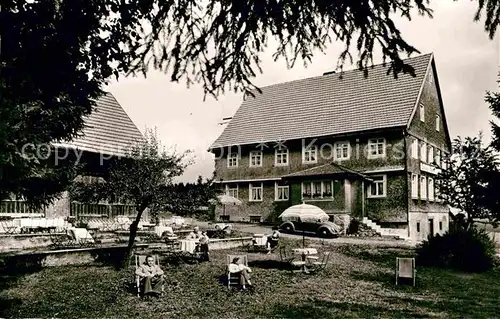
<point>466,250</point>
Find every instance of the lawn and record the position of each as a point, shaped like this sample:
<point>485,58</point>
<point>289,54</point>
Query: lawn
<point>359,283</point>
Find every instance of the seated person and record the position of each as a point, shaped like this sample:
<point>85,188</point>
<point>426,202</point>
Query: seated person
<point>195,234</point>
<point>204,240</point>
<point>236,268</point>
<point>151,277</point>
<point>272,241</point>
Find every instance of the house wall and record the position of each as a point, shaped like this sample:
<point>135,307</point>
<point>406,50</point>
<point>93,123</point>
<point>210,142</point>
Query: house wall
<point>358,160</point>
<point>421,232</point>
<point>349,201</point>
<point>425,131</point>
<point>247,209</point>
<point>393,207</point>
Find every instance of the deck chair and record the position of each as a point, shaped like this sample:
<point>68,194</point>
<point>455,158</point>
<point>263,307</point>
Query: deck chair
<point>82,237</point>
<point>405,268</point>
<point>139,260</point>
<point>320,264</point>
<point>232,278</point>
<point>259,242</point>
<point>285,256</point>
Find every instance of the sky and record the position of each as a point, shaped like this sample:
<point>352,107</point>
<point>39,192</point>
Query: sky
<point>467,63</point>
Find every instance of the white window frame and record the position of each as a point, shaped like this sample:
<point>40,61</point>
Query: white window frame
<point>414,186</point>
<point>438,123</point>
<point>310,154</point>
<point>283,154</point>
<point>422,111</point>
<point>342,145</point>
<point>376,142</point>
<point>423,152</point>
<point>284,188</point>
<point>414,148</point>
<point>233,156</point>
<point>430,186</point>
<point>257,155</point>
<point>423,187</point>
<point>230,191</point>
<point>430,154</point>
<point>384,187</point>
<point>322,192</point>
<point>251,187</point>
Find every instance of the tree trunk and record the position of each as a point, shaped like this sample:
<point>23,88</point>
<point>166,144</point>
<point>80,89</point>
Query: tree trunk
<point>133,234</point>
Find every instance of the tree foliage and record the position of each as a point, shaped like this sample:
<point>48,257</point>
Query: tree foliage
<point>470,181</point>
<point>493,99</point>
<point>139,179</point>
<point>56,55</point>
<point>186,199</point>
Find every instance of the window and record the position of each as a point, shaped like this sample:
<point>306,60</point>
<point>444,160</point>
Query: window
<point>440,225</point>
<point>414,148</point>
<point>255,218</point>
<point>378,187</point>
<point>430,77</point>
<point>232,191</point>
<point>423,152</point>
<point>224,218</point>
<point>342,150</point>
<point>281,157</point>
<point>310,154</point>
<point>422,112</point>
<point>418,227</point>
<point>438,122</point>
<point>431,154</point>
<point>423,187</point>
<point>317,189</point>
<point>255,158</point>
<point>281,192</point>
<point>437,159</point>
<point>431,188</point>
<point>376,147</point>
<point>255,193</point>
<point>414,186</point>
<point>232,160</point>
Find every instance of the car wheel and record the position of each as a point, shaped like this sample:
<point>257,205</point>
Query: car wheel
<point>325,233</point>
<point>288,228</point>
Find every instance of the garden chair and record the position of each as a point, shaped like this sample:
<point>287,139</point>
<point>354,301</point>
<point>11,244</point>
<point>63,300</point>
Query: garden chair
<point>259,242</point>
<point>232,278</point>
<point>285,256</point>
<point>140,259</point>
<point>405,268</point>
<point>319,265</point>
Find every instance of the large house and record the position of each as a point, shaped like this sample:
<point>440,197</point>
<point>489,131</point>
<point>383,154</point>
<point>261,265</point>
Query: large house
<point>353,145</point>
<point>108,132</point>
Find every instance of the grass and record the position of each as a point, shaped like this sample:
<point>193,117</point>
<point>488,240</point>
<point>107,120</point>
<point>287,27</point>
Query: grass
<point>359,283</point>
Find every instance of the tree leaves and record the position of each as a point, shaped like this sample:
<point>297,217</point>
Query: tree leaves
<point>470,180</point>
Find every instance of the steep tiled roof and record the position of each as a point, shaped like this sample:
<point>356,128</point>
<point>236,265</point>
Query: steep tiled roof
<point>108,130</point>
<point>327,105</point>
<point>325,169</point>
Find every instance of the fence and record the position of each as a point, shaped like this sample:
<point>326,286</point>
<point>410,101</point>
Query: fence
<point>16,207</point>
<point>81,211</point>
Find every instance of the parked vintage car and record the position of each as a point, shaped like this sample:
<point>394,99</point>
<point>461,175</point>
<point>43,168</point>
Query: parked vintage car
<point>310,219</point>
